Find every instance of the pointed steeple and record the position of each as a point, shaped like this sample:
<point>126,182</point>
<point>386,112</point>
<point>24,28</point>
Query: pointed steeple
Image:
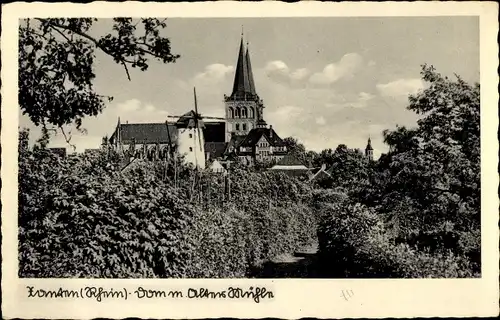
<point>369,150</point>
<point>369,145</point>
<point>250,73</point>
<point>243,77</point>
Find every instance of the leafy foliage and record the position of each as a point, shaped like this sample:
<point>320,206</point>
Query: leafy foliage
<point>354,243</point>
<point>424,194</point>
<point>83,217</point>
<point>56,63</point>
<point>413,213</point>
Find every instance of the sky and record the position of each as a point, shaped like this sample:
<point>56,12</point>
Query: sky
<point>324,81</point>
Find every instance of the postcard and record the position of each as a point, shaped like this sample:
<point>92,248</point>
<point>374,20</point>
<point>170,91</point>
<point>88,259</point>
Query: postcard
<point>249,160</point>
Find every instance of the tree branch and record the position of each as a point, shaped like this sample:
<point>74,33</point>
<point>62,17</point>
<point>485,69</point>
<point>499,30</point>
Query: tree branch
<point>55,26</point>
<point>126,70</point>
<point>66,138</point>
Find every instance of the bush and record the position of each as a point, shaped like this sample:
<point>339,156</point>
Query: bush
<point>82,217</point>
<point>353,242</point>
<point>230,242</point>
<point>111,227</point>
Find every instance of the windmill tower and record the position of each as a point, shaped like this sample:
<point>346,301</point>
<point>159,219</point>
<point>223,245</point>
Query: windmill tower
<point>190,139</point>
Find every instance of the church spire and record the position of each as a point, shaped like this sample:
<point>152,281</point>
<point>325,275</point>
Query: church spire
<point>369,149</point>
<point>250,73</point>
<point>243,78</point>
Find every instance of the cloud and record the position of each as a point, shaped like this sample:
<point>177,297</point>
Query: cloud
<point>285,112</point>
<point>299,74</point>
<point>288,118</point>
<point>129,105</point>
<point>134,110</point>
<point>211,84</point>
<point>279,72</point>
<point>320,120</point>
<point>350,100</point>
<point>400,87</point>
<point>344,68</point>
<point>214,74</point>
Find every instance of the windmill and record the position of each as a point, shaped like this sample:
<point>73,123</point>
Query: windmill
<point>190,139</point>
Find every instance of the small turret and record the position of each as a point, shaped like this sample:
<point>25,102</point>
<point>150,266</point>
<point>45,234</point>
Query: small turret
<point>369,150</point>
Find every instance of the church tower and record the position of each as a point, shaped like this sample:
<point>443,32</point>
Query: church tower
<point>244,108</point>
<point>369,150</point>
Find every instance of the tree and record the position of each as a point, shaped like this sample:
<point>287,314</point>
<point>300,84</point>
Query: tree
<point>56,64</point>
<point>429,183</point>
<point>349,169</point>
<point>293,145</point>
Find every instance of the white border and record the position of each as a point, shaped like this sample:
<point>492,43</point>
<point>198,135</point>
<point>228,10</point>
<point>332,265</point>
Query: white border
<point>293,298</point>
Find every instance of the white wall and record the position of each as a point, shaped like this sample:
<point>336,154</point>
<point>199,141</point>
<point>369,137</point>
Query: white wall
<point>189,146</point>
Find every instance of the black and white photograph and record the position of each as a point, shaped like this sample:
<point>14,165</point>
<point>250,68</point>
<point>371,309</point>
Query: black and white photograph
<point>220,148</point>
<point>158,147</point>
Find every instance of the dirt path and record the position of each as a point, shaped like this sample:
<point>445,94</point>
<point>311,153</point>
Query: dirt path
<point>302,264</point>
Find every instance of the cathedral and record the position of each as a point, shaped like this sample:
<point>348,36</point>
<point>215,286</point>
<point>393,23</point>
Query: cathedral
<point>243,133</point>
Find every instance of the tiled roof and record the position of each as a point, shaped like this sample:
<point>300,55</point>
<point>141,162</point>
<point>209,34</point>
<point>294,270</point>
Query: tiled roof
<point>290,160</point>
<point>235,141</point>
<point>146,133</point>
<point>255,134</point>
<point>157,132</point>
<point>320,174</point>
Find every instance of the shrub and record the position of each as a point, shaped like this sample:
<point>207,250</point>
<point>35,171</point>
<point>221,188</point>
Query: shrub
<point>230,242</point>
<point>108,227</point>
<point>82,217</point>
<point>219,244</point>
<point>353,242</point>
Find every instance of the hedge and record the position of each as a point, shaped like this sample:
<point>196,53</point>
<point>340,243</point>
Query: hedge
<point>81,217</point>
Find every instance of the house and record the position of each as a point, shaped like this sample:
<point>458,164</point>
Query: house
<point>261,144</point>
<point>291,166</point>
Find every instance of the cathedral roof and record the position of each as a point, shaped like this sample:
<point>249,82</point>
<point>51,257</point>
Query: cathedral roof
<point>146,133</point>
<point>244,85</point>
<point>149,133</point>
<point>250,73</point>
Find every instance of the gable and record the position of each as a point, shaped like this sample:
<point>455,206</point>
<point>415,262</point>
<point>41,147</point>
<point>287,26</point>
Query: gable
<point>262,140</point>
